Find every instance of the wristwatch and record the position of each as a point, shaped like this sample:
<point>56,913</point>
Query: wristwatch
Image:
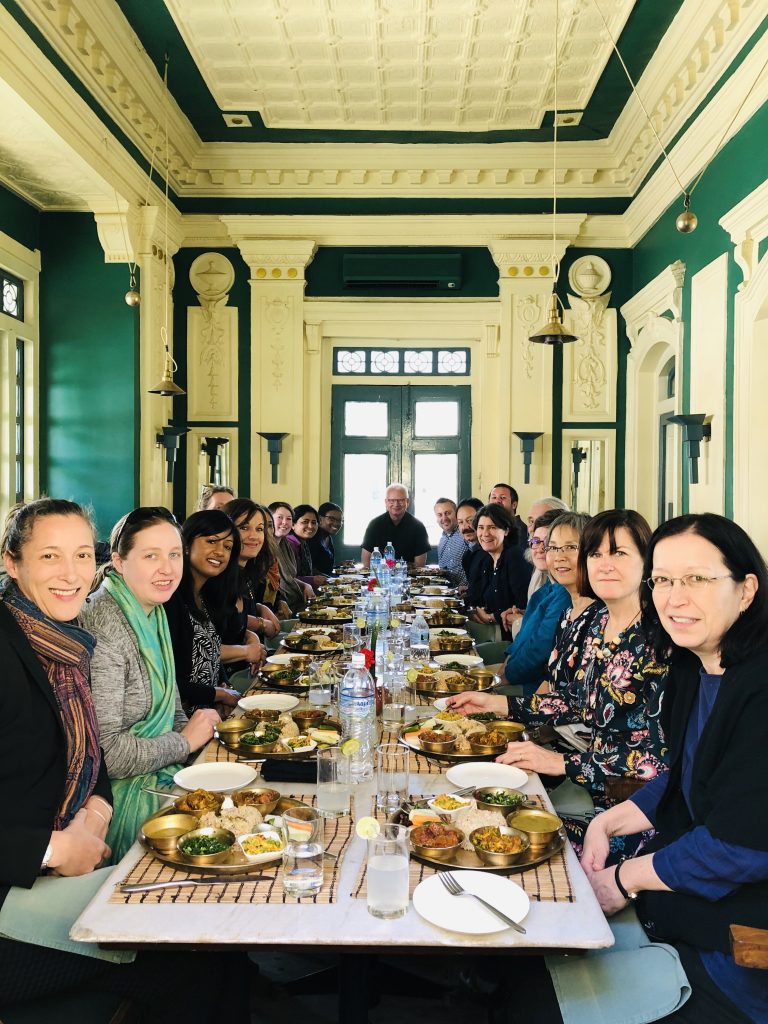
<point>627,895</point>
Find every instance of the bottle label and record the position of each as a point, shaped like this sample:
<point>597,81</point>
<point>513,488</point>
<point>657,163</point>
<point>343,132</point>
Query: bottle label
<point>359,706</point>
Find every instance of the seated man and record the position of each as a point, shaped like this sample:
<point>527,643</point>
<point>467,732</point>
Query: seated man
<point>407,533</point>
<point>465,517</point>
<point>451,546</point>
<point>506,496</point>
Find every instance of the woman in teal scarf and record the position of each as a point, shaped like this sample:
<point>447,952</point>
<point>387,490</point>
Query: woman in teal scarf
<point>145,734</point>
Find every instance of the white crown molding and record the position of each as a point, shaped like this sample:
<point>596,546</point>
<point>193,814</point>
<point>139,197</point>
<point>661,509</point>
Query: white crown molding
<point>664,292</point>
<point>20,260</point>
<point>747,225</point>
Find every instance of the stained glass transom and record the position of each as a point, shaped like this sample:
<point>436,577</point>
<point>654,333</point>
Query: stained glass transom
<point>411,362</point>
<point>13,296</point>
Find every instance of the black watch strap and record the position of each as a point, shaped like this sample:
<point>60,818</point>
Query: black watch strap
<point>620,887</point>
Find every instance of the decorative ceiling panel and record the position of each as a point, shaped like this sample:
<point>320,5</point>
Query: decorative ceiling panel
<point>400,65</point>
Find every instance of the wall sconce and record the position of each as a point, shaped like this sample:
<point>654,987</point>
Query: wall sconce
<point>527,441</point>
<point>695,430</point>
<point>274,447</point>
<point>210,447</point>
<point>168,439</point>
<point>578,455</point>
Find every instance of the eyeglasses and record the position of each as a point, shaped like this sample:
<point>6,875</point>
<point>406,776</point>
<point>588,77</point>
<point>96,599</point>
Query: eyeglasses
<point>567,549</point>
<point>536,542</point>
<point>396,501</point>
<point>692,580</point>
<point>144,514</point>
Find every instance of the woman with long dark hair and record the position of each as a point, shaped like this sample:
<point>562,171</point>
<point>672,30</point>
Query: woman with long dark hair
<point>296,592</point>
<point>258,578</point>
<point>500,581</point>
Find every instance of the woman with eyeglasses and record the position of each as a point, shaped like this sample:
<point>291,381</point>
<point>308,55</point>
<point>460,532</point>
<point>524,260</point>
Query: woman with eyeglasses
<point>500,581</point>
<point>144,732</point>
<point>296,592</point>
<point>606,678</point>
<point>555,546</point>
<point>707,866</point>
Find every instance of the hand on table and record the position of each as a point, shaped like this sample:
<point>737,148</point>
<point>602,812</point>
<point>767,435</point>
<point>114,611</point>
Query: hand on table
<point>484,617</point>
<point>605,889</point>
<point>199,729</point>
<point>474,701</point>
<point>533,758</point>
<point>596,846</point>
<point>226,696</point>
<point>76,850</point>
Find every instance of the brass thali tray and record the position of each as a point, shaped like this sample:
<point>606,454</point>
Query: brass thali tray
<point>327,616</point>
<point>294,642</point>
<point>280,753</point>
<point>468,859</point>
<point>415,746</point>
<point>235,862</point>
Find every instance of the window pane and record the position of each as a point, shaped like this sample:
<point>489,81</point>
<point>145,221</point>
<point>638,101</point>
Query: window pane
<point>452,361</point>
<point>436,419</point>
<point>385,360</point>
<point>435,476</point>
<point>418,362</point>
<point>350,360</point>
<point>365,481</point>
<point>366,419</point>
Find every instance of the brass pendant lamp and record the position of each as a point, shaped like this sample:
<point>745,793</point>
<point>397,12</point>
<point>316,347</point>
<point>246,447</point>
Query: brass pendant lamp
<point>166,385</point>
<point>553,332</point>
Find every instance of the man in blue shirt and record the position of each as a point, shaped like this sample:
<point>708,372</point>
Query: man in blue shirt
<point>451,546</point>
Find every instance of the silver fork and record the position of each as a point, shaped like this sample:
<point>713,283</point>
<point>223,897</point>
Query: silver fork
<point>455,889</point>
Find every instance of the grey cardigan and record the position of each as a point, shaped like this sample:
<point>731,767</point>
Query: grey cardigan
<point>122,695</point>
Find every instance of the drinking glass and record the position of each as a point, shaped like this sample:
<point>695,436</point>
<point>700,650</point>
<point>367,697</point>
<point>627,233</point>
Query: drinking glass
<point>333,783</point>
<point>303,851</point>
<point>350,637</point>
<point>387,874</point>
<point>391,776</point>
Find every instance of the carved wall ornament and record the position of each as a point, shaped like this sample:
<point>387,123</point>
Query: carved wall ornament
<point>589,370</point>
<point>277,314</point>
<point>212,276</point>
<point>211,340</point>
<point>529,311</point>
<point>589,276</point>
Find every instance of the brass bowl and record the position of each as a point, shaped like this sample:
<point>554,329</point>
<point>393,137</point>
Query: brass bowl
<point>265,805</point>
<point>451,644</point>
<point>540,826</point>
<point>163,833</point>
<point>460,685</point>
<point>481,794</point>
<point>479,746</point>
<point>482,678</point>
<point>300,661</point>
<point>289,674</point>
<point>445,618</point>
<point>260,715</point>
<point>308,718</point>
<point>445,747</point>
<point>204,859</point>
<point>259,748</point>
<point>232,729</point>
<point>514,731</point>
<point>427,684</point>
<point>436,852</point>
<point>216,799</point>
<point>500,860</point>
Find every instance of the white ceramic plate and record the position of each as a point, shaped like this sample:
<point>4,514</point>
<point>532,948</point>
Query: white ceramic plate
<point>470,660</point>
<point>442,630</point>
<point>486,773</point>
<point>279,659</point>
<point>460,914</point>
<point>270,701</point>
<point>218,776</point>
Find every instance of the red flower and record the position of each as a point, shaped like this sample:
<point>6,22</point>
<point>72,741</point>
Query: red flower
<point>371,584</point>
<point>369,656</point>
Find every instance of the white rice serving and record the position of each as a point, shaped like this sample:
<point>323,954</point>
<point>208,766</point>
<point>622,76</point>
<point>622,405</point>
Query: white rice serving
<point>239,820</point>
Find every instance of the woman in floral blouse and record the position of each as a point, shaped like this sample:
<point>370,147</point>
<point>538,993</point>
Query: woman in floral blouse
<point>605,677</point>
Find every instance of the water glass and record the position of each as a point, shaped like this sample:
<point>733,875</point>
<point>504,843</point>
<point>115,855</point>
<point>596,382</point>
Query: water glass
<point>303,852</point>
<point>392,776</point>
<point>387,874</point>
<point>350,637</point>
<point>320,692</point>
<point>333,783</point>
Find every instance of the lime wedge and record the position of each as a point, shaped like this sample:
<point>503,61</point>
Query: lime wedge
<point>360,623</point>
<point>350,747</point>
<point>411,675</point>
<point>367,828</point>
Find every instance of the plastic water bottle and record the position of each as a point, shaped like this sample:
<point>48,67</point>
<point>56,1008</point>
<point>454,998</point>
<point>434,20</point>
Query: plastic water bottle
<point>385,577</point>
<point>420,639</point>
<point>376,560</point>
<point>389,554</point>
<point>357,712</point>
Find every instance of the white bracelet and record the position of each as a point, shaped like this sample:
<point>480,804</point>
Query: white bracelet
<point>104,818</point>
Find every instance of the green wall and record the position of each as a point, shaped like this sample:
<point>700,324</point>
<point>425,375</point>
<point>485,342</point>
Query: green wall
<point>736,171</point>
<point>19,220</point>
<point>89,420</point>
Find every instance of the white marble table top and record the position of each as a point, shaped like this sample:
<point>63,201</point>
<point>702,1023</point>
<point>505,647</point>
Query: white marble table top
<point>344,924</point>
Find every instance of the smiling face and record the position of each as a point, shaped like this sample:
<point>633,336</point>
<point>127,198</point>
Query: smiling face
<point>252,533</point>
<point>283,521</point>
<point>396,501</point>
<point>332,522</point>
<point>538,548</point>
<point>209,556</point>
<point>56,567</point>
<point>445,514</point>
<point>698,618</point>
<point>502,496</point>
<point>491,536</point>
<point>152,568</point>
<point>306,526</point>
<point>465,517</point>
<point>615,576</point>
<point>562,562</point>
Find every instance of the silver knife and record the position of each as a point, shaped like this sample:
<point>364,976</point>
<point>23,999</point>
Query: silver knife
<point>190,883</point>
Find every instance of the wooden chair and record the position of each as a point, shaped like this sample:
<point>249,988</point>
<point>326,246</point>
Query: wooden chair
<point>750,946</point>
<point>619,789</point>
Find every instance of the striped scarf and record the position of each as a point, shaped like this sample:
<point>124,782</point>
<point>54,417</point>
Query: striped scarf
<point>64,650</point>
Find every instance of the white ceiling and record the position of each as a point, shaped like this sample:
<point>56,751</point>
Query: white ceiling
<point>406,65</point>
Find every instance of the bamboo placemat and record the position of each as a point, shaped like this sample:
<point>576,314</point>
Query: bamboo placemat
<point>549,882</point>
<point>269,889</point>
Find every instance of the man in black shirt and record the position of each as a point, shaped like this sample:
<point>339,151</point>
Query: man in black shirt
<point>407,533</point>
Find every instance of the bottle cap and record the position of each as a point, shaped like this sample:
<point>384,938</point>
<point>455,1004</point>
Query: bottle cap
<point>358,660</point>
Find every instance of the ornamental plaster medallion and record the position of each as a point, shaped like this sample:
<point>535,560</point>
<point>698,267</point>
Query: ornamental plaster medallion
<point>589,276</point>
<point>211,275</point>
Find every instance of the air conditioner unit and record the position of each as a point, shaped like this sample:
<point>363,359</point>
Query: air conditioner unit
<point>437,270</point>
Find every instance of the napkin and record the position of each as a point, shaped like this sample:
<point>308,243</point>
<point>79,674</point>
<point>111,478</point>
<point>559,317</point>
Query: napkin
<point>288,771</point>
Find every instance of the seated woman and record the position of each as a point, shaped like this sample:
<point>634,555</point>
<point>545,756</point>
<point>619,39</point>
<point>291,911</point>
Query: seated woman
<point>500,580</point>
<point>605,676</point>
<point>198,611</point>
<point>331,519</point>
<point>144,732</point>
<point>305,526</point>
<point>296,592</point>
<point>258,578</point>
<point>707,866</point>
<point>555,546</point>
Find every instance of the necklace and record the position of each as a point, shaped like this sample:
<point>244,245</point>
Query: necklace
<point>635,616</point>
